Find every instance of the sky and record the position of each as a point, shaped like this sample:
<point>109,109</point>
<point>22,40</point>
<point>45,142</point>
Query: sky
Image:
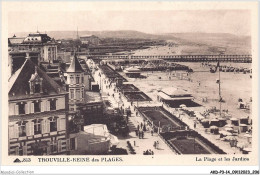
<point>210,21</point>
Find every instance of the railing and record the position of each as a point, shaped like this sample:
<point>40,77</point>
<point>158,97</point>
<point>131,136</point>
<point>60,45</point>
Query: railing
<point>183,58</point>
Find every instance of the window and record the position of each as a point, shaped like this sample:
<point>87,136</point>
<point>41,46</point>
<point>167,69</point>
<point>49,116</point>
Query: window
<point>77,80</point>
<point>37,106</point>
<point>53,124</point>
<point>71,79</point>
<point>52,104</point>
<point>77,94</point>
<point>37,88</point>
<point>72,94</point>
<point>82,93</point>
<point>72,144</point>
<point>21,108</point>
<point>37,126</point>
<point>82,79</point>
<point>22,129</point>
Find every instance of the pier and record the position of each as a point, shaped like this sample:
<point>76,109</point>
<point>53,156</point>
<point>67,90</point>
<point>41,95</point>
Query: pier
<point>179,58</point>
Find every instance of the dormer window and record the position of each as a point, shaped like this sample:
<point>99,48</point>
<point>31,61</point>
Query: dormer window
<point>35,83</point>
<point>37,88</point>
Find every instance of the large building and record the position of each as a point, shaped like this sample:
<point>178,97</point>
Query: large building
<point>90,40</point>
<point>42,43</point>
<point>37,113</point>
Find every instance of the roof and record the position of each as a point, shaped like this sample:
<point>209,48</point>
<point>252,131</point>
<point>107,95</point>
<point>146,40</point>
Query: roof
<point>75,65</point>
<point>132,69</point>
<point>167,97</point>
<point>19,82</point>
<point>171,91</point>
<point>15,40</point>
<point>37,38</point>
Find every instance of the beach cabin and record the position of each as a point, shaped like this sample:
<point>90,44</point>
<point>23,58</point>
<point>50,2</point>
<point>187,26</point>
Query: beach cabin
<point>132,72</point>
<point>175,97</point>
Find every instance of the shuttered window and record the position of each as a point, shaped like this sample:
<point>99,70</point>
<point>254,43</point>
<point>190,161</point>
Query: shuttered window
<point>53,104</point>
<point>37,106</point>
<point>37,127</point>
<point>72,94</point>
<point>22,129</point>
<point>77,80</point>
<point>77,94</point>
<point>21,108</point>
<point>53,124</point>
<point>30,128</point>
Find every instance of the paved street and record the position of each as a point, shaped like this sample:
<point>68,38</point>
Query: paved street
<point>141,145</point>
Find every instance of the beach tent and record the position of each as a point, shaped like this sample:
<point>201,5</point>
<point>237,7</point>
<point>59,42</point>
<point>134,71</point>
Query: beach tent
<point>249,137</point>
<point>214,129</point>
<point>224,134</point>
<point>243,127</point>
<point>229,129</point>
<point>234,121</point>
<point>247,150</point>
<point>205,123</point>
<point>229,126</point>
<point>244,120</point>
<point>222,122</point>
<point>214,122</point>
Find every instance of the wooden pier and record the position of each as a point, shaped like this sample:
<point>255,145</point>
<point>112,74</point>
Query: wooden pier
<point>181,58</point>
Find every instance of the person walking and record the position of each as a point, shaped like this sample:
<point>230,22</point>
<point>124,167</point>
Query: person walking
<point>152,131</point>
<point>154,145</point>
<point>157,144</point>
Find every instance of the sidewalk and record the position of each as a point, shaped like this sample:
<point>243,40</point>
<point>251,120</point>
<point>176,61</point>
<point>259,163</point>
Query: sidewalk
<point>141,145</point>
<point>146,143</point>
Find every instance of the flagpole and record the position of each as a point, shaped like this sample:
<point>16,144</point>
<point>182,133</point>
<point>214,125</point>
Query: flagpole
<point>219,90</point>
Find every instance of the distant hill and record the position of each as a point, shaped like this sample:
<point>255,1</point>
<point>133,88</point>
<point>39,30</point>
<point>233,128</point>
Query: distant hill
<point>234,44</point>
<point>101,34</point>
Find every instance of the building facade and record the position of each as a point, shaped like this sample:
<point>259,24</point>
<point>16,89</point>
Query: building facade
<point>37,113</point>
<point>46,46</point>
<point>90,40</point>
